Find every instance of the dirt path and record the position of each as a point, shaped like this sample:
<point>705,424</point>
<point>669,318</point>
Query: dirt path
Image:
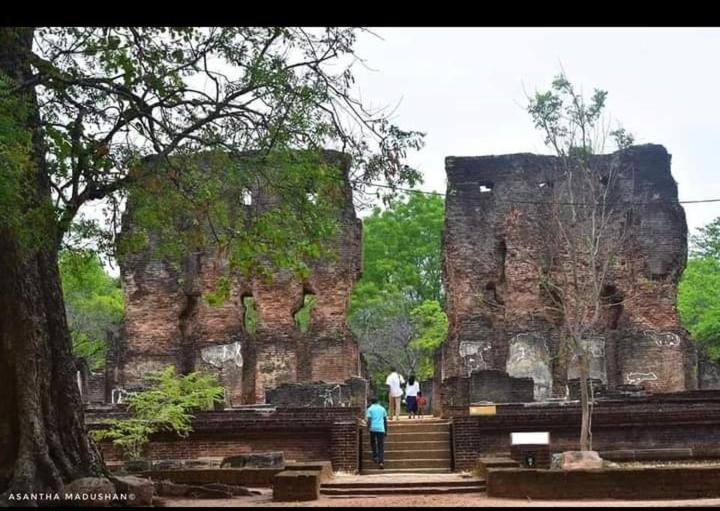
<point>458,500</point>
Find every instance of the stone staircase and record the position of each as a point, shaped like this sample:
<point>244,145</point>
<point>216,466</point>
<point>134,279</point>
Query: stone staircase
<point>411,446</point>
<point>401,484</point>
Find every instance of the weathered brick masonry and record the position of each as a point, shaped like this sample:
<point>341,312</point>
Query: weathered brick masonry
<point>498,314</point>
<point>685,420</point>
<point>168,321</point>
<point>303,434</point>
<point>626,483</point>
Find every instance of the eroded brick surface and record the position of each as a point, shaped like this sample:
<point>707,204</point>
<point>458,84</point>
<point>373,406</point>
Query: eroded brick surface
<point>168,320</point>
<point>493,249</point>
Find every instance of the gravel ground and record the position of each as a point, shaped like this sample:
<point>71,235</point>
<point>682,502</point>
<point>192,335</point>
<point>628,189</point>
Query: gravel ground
<point>685,463</point>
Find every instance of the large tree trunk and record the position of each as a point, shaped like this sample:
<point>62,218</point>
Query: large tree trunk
<point>43,439</point>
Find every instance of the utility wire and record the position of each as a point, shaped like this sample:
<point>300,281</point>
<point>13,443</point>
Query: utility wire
<point>516,201</point>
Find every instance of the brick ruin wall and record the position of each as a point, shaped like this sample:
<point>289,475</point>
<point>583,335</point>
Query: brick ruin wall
<point>498,316</point>
<point>167,320</point>
<point>302,434</point>
<point>498,319</point>
<point>621,429</point>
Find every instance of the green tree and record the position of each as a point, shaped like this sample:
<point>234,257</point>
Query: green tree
<point>431,325</point>
<point>706,243</point>
<point>699,289</point>
<point>93,302</point>
<point>165,405</point>
<point>89,113</point>
<point>396,309</point>
<point>402,250</point>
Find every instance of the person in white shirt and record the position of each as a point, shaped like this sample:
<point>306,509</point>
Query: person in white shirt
<point>394,381</point>
<point>411,391</point>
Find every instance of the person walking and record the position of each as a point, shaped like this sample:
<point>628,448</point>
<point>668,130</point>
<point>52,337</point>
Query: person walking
<point>411,391</point>
<point>394,381</point>
<point>377,427</point>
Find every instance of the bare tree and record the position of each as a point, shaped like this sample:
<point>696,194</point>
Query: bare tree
<point>386,334</point>
<point>586,227</point>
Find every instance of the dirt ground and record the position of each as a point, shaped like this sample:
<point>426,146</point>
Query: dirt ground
<point>457,500</point>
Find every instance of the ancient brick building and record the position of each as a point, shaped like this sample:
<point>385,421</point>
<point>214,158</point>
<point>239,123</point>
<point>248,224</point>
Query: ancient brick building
<point>168,321</point>
<point>498,316</point>
<point>499,322</point>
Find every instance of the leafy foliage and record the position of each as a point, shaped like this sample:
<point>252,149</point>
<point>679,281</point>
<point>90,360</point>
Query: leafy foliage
<point>396,308</point>
<point>187,119</point>
<point>251,316</point>
<point>571,123</point>
<point>402,251</point>
<point>706,243</point>
<point>699,289</point>
<point>303,316</point>
<point>17,171</point>
<point>166,405</point>
<point>93,303</point>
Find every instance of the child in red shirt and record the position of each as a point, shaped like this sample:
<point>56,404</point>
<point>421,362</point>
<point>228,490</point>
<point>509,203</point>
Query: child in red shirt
<point>420,404</point>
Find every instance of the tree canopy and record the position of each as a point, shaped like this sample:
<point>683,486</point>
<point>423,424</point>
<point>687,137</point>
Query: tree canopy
<point>115,114</point>
<point>699,289</point>
<point>115,100</point>
<point>397,307</point>
<point>93,302</point>
<point>402,250</point>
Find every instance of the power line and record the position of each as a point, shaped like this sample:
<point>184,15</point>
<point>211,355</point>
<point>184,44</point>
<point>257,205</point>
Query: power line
<point>517,201</point>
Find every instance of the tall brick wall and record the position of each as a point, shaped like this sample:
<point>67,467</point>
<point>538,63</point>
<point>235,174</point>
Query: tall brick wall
<point>168,321</point>
<point>495,228</point>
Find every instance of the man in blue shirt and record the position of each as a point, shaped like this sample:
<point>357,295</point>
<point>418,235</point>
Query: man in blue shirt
<point>377,427</point>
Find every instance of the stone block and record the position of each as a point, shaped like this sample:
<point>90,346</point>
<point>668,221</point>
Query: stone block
<point>255,460</point>
<point>296,485</point>
<point>581,460</point>
<point>325,468</point>
<point>89,492</point>
<point>142,489</point>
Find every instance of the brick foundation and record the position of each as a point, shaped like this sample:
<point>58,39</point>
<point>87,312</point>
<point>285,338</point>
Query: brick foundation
<point>685,420</point>
<point>302,434</point>
<point>636,483</point>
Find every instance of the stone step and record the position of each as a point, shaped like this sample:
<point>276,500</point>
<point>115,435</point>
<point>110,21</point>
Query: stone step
<point>412,490</point>
<point>392,483</point>
<point>370,471</point>
<point>413,436</point>
<point>409,454</point>
<point>417,427</point>
<point>494,462</point>
<point>406,445</point>
<point>443,463</point>
<point>499,462</point>
<point>404,422</point>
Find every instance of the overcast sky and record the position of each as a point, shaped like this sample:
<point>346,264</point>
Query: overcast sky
<point>464,88</point>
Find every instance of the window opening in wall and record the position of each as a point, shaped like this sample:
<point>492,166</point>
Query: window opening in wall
<point>486,186</point>
<point>304,314</point>
<point>250,316</point>
<point>613,300</point>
